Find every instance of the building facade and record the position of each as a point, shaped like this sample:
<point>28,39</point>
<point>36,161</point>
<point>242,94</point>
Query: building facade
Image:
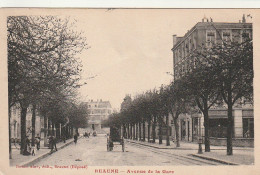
<point>98,111</point>
<point>15,123</point>
<point>205,34</point>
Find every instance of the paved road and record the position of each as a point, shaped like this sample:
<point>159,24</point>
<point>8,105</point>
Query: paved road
<point>92,152</point>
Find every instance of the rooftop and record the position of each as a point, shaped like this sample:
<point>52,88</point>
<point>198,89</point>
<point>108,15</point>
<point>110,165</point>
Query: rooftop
<point>213,25</point>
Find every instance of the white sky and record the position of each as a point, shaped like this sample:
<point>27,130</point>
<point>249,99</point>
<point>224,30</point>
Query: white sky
<point>131,48</point>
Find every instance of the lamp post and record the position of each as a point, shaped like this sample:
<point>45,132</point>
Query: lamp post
<point>200,138</point>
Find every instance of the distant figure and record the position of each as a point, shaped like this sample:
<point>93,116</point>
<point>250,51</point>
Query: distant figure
<point>86,135</point>
<point>75,138</point>
<point>50,142</point>
<point>111,144</point>
<point>54,142</point>
<point>94,133</point>
<point>33,150</point>
<point>64,139</point>
<point>27,150</point>
<point>38,141</point>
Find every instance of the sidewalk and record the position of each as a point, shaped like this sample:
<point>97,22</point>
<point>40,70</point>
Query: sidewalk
<point>21,160</point>
<point>241,155</point>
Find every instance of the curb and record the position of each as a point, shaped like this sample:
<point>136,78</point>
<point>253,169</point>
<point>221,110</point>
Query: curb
<point>213,159</point>
<point>159,147</point>
<point>44,155</point>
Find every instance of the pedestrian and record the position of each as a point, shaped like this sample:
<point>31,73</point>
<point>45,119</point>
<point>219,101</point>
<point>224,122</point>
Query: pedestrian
<point>75,138</point>
<point>111,144</point>
<point>51,143</point>
<point>27,150</point>
<point>38,141</point>
<point>64,139</point>
<point>54,142</point>
<point>33,150</point>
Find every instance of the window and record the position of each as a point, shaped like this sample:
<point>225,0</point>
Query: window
<point>187,48</point>
<point>236,36</point>
<point>246,35</point>
<point>183,51</point>
<point>194,42</point>
<point>218,127</point>
<point>248,127</point>
<point>226,36</point>
<point>191,45</point>
<point>210,38</point>
<point>182,69</point>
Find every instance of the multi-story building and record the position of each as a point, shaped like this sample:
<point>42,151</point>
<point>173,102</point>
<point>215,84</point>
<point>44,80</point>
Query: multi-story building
<point>15,123</point>
<point>204,34</point>
<point>98,111</point>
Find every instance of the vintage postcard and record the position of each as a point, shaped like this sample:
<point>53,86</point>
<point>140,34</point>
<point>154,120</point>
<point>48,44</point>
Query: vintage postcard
<point>129,91</point>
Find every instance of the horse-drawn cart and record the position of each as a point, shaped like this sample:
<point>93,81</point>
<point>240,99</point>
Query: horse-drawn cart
<point>115,139</point>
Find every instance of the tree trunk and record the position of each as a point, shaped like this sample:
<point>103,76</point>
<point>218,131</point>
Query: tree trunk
<point>206,126</point>
<point>140,131</point>
<point>230,130</point>
<point>131,131</point>
<point>143,130</point>
<point>167,131</point>
<point>77,130</point>
<point>136,131</point>
<point>9,123</point>
<point>128,136</point>
<point>66,132</point>
<point>127,131</point>
<point>48,126</point>
<point>124,131</point>
<point>57,126</point>
<point>230,117</point>
<point>149,126</point>
<point>153,129</point>
<point>52,128</point>
<point>45,120</point>
<point>33,122</point>
<point>23,128</point>
<point>160,131</point>
<point>176,126</point>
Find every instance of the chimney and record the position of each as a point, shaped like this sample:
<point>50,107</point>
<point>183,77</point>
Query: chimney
<point>174,37</point>
<point>204,19</point>
<point>243,19</point>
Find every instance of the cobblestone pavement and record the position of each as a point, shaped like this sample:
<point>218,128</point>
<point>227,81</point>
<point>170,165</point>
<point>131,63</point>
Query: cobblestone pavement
<point>93,152</point>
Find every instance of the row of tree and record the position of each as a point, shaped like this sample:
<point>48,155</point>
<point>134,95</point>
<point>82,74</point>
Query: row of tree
<point>44,70</point>
<point>216,76</point>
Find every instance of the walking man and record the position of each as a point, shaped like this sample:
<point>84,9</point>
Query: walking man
<point>75,138</point>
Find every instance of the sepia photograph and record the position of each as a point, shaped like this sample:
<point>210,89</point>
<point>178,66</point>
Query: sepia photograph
<point>112,90</point>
